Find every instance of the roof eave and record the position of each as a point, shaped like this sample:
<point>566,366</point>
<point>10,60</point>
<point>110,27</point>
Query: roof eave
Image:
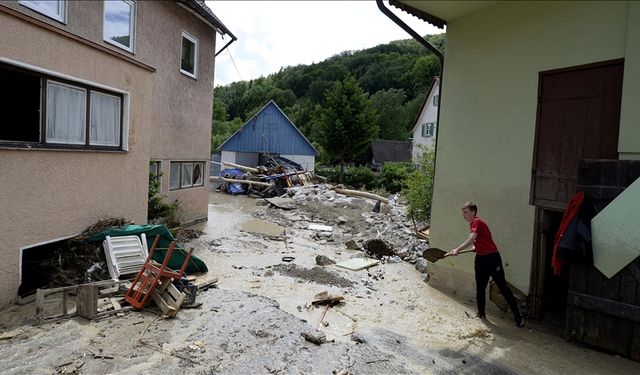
<point>207,15</point>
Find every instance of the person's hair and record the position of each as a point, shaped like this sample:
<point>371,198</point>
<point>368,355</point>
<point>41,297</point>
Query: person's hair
<point>471,206</point>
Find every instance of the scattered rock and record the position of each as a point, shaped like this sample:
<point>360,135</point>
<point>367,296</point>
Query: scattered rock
<point>322,260</point>
<point>421,265</point>
<point>342,220</point>
<point>316,337</point>
<point>358,337</point>
<point>352,245</point>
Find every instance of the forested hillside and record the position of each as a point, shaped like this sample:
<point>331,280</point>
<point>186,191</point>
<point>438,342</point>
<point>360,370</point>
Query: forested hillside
<point>393,76</point>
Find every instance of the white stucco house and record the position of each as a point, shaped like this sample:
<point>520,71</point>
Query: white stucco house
<point>425,127</point>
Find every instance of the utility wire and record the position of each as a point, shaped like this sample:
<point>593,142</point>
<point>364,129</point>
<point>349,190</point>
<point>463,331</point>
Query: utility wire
<point>234,64</point>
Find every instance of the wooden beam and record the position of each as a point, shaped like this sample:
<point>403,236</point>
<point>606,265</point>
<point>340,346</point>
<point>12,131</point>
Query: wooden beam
<point>364,194</point>
<point>605,306</point>
<point>246,182</point>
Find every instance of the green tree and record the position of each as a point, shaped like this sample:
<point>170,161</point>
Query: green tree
<point>347,122</point>
<point>390,117</point>
<point>419,187</point>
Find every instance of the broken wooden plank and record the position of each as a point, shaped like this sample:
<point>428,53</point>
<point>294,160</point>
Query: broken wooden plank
<point>364,194</point>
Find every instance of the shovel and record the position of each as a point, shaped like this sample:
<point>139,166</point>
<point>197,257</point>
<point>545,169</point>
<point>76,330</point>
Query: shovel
<point>434,254</point>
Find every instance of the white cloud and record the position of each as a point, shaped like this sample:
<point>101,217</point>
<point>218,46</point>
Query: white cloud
<point>273,34</point>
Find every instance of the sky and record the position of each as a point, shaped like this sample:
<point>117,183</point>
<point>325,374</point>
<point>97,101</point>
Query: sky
<point>275,34</point>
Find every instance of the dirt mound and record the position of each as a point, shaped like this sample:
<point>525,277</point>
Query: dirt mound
<point>315,274</point>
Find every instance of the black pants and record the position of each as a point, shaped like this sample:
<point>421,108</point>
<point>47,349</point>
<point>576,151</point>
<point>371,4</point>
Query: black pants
<point>491,266</point>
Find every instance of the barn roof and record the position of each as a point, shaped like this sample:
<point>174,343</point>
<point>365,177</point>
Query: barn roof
<point>384,151</point>
<point>269,131</point>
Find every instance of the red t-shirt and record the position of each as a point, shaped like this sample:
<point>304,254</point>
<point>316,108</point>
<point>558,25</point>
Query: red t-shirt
<point>484,243</point>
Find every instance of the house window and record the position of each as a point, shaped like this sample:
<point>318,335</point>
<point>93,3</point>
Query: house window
<point>428,129</point>
<point>119,23</point>
<point>189,59</point>
<point>48,112</point>
<point>105,119</point>
<point>436,100</point>
<point>54,9</point>
<point>66,113</point>
<point>185,175</point>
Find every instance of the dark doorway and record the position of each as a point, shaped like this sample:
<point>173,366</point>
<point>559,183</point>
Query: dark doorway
<point>554,288</point>
<point>578,117</point>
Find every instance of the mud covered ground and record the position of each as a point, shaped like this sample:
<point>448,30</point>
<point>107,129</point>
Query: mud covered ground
<point>255,322</point>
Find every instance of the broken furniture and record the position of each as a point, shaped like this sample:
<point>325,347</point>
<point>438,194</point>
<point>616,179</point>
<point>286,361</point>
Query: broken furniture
<point>68,301</point>
<point>154,281</point>
<point>125,254</point>
<point>97,300</point>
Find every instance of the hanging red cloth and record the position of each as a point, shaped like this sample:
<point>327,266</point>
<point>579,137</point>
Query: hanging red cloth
<point>572,210</point>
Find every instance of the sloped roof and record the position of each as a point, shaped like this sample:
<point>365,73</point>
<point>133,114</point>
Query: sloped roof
<point>384,151</point>
<point>269,131</point>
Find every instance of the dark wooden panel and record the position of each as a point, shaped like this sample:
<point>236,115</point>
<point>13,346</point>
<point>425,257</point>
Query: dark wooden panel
<point>605,306</point>
<point>592,318</point>
<point>576,316</point>
<point>578,118</point>
<point>624,328</point>
<point>608,324</point>
<point>635,343</point>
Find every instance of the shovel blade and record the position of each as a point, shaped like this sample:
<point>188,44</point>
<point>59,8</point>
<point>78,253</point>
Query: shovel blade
<point>433,254</point>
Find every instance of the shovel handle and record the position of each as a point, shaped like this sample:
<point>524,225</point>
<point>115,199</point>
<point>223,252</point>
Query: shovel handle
<point>462,252</point>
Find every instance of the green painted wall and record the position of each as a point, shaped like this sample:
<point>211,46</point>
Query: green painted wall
<point>629,146</point>
<point>489,101</point>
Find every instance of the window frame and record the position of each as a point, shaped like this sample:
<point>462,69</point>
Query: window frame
<point>436,100</point>
<point>132,26</point>
<point>90,127</point>
<point>182,164</point>
<point>194,40</point>
<point>62,10</point>
<point>430,129</point>
<point>43,122</point>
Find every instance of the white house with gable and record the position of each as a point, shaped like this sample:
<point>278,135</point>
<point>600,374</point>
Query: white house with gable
<point>424,128</point>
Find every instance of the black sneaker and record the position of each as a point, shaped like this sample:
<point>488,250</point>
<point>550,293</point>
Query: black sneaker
<point>520,322</point>
<point>481,315</point>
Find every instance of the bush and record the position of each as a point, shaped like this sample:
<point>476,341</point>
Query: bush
<point>419,188</point>
<point>354,177</point>
<point>158,211</point>
<point>394,175</point>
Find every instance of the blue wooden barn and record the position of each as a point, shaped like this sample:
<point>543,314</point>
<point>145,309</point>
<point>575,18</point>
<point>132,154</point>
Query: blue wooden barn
<point>268,132</point>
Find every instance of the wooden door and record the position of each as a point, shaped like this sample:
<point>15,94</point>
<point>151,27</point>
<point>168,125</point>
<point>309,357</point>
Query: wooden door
<point>578,118</point>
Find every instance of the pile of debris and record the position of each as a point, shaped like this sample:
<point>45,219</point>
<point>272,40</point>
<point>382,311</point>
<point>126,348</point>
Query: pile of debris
<point>269,180</point>
<point>336,215</point>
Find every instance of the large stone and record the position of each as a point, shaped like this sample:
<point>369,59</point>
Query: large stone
<point>322,260</point>
<point>352,245</point>
<point>421,265</point>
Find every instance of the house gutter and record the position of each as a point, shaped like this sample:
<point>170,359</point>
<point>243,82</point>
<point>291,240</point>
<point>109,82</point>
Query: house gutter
<point>387,12</point>
<point>200,10</point>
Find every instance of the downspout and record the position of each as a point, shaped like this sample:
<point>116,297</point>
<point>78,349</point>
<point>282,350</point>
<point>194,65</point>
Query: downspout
<point>233,39</point>
<point>387,12</point>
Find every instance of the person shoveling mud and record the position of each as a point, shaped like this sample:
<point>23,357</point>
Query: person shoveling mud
<point>487,263</point>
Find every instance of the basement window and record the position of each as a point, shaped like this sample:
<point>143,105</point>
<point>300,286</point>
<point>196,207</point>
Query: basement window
<point>48,112</point>
<point>184,175</point>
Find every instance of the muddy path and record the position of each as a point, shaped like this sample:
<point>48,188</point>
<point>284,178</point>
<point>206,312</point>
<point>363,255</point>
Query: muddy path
<point>255,322</point>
